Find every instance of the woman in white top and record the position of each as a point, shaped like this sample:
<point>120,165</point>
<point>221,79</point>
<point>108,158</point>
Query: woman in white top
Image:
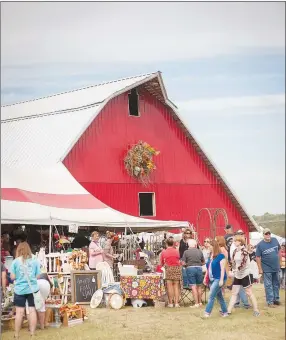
<point>45,286</point>
<point>207,249</point>
<point>241,272</point>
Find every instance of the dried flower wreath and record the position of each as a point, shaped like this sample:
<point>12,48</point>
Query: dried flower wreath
<point>139,161</point>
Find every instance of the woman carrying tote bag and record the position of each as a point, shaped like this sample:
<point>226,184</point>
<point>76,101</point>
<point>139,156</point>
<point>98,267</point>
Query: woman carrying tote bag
<point>24,270</point>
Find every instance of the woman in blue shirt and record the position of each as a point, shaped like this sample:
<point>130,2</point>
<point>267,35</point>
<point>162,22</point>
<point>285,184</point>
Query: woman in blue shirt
<point>217,277</point>
<point>25,267</point>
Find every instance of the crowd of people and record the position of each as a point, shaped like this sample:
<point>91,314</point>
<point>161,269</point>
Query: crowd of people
<point>224,262</point>
<point>31,286</point>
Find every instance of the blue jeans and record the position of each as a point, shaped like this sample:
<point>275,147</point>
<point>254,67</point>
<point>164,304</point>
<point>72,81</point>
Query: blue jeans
<point>185,278</point>
<point>215,292</point>
<point>242,296</point>
<point>271,285</point>
<point>194,275</point>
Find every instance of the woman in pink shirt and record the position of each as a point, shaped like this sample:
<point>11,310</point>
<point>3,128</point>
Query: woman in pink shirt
<point>170,259</point>
<point>95,251</point>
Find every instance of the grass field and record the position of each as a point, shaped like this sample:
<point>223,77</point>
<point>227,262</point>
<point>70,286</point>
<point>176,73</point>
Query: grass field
<point>179,324</point>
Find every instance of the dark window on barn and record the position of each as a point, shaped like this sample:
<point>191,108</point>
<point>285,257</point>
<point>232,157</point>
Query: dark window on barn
<point>133,103</point>
<point>146,204</point>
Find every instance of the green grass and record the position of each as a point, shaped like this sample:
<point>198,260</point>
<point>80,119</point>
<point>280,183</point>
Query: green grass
<point>178,324</point>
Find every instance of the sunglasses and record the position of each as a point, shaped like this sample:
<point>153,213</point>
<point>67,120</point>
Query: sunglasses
<point>267,233</point>
<point>207,241</point>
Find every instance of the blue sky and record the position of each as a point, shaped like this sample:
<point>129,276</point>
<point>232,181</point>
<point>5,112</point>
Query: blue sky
<point>223,65</point>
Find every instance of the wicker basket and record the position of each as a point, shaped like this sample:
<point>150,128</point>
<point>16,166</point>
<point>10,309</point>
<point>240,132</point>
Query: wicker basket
<point>159,304</point>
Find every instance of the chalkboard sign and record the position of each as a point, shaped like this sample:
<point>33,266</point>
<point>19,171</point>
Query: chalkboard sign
<point>83,284</point>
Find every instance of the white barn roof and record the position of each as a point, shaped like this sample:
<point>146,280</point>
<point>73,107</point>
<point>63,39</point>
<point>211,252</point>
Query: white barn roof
<point>39,133</point>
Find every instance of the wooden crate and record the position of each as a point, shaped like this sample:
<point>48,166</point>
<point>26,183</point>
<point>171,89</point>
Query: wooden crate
<point>9,324</point>
<point>70,322</point>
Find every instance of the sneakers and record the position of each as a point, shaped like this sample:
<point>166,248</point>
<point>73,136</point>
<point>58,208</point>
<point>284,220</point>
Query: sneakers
<point>195,306</point>
<point>277,303</point>
<point>206,315</point>
<point>224,314</point>
<point>170,305</point>
<point>237,305</point>
<point>256,313</point>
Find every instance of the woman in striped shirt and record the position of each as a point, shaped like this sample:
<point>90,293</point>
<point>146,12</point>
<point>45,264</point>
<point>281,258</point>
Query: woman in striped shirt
<point>241,271</point>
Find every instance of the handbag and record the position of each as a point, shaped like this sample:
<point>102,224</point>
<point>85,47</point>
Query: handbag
<point>38,300</point>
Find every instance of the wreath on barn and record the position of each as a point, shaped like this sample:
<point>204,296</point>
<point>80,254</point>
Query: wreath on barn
<point>139,161</point>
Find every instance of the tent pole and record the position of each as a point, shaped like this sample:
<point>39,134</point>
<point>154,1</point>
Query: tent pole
<point>50,240</point>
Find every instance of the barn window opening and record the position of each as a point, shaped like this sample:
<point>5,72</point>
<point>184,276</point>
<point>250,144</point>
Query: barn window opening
<point>133,103</point>
<point>147,204</point>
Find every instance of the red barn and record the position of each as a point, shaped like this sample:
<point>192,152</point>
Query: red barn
<point>110,118</point>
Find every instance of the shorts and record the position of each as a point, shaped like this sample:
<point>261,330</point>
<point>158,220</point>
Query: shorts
<point>245,282</point>
<point>195,275</point>
<point>45,289</point>
<point>20,300</point>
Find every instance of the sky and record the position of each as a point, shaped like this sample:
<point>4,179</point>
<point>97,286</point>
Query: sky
<point>223,65</point>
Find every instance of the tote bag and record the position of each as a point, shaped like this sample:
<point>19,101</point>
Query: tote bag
<point>38,300</point>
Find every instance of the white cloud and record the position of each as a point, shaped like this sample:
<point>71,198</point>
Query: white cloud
<point>136,32</point>
<point>244,105</point>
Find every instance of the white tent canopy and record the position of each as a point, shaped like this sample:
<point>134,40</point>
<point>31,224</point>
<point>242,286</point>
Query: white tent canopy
<point>256,237</point>
<point>53,197</point>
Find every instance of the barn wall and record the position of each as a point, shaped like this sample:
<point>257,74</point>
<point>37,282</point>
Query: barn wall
<point>182,182</point>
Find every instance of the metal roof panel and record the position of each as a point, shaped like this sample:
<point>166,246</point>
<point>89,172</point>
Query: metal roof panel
<point>69,100</point>
<point>40,142</point>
